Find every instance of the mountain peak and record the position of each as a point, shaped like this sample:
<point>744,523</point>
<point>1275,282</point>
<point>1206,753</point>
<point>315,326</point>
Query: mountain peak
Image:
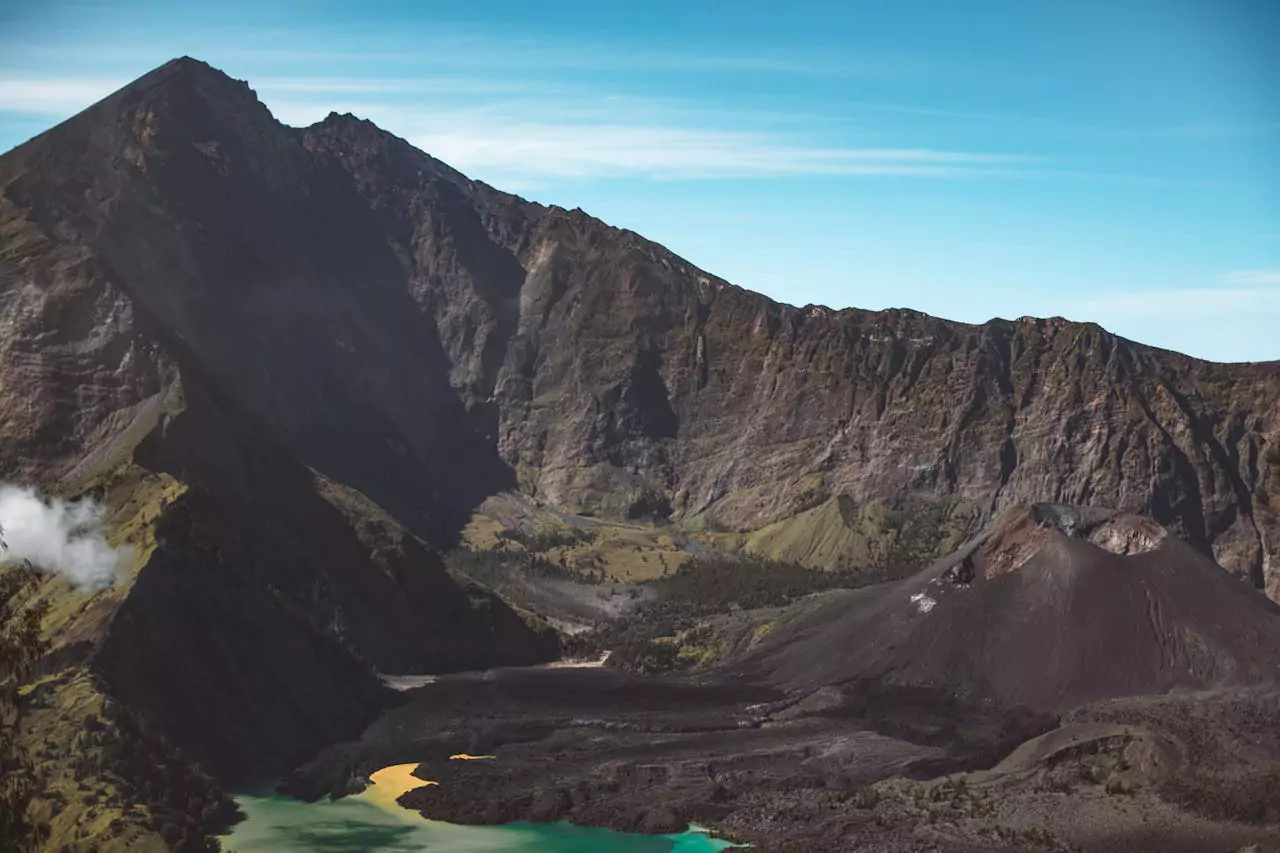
<point>352,127</point>
<point>187,72</point>
<point>182,92</point>
<point>190,63</point>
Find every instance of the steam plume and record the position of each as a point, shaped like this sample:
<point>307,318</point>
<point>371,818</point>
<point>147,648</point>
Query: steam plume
<point>56,536</point>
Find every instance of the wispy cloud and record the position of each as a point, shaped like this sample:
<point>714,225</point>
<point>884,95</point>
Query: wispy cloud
<point>53,95</point>
<point>1205,302</point>
<point>1253,278</point>
<point>933,112</point>
<point>1229,294</point>
<point>1228,317</point>
<point>528,141</point>
<point>672,153</point>
<point>1221,323</point>
<point>397,86</point>
<point>523,133</point>
<point>489,51</point>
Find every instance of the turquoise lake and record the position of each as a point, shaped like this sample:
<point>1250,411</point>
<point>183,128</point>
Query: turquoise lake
<point>277,824</point>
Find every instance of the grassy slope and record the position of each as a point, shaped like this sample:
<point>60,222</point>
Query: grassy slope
<point>835,534</point>
<point>76,736</point>
<point>608,550</point>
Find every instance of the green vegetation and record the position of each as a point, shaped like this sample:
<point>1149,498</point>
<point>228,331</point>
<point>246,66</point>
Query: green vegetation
<point>541,541</point>
<point>496,567</point>
<point>919,536</point>
<point>108,785</point>
<point>836,534</point>
<point>594,549</point>
<point>842,534</point>
<point>714,584</point>
<point>762,632</point>
<point>511,541</point>
<point>676,630</point>
<point>78,772</point>
<point>21,645</point>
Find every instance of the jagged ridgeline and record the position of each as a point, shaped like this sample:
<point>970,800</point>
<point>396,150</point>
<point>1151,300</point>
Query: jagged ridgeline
<point>427,340</point>
<point>289,364</point>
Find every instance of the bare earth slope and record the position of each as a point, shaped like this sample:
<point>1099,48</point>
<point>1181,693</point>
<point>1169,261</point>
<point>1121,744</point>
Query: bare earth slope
<point>1052,608</point>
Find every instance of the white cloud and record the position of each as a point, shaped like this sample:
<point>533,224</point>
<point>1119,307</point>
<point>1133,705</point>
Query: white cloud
<point>577,150</point>
<point>54,95</point>
<point>487,51</point>
<point>1223,323</point>
<point>1194,302</point>
<point>394,86</point>
<point>529,141</point>
<point>1253,278</point>
<point>56,536</point>
<point>548,133</point>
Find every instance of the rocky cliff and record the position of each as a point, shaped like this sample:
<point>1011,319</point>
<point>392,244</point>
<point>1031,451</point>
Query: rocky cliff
<point>616,378</point>
<point>206,329</point>
<point>191,289</point>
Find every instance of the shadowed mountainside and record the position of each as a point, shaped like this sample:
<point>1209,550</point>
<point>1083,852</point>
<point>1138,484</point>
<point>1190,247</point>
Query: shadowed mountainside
<point>206,331</point>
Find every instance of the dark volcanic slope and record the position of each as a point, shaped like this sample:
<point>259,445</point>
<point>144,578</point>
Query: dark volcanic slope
<point>177,221</point>
<point>208,327</point>
<point>400,328</point>
<point>1053,608</point>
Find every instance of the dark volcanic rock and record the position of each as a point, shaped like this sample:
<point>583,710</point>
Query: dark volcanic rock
<point>177,223</point>
<point>252,635</point>
<point>886,771</point>
<point>186,292</point>
<point>1053,607</point>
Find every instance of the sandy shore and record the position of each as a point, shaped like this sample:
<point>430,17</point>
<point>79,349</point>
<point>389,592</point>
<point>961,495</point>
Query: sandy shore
<point>389,784</point>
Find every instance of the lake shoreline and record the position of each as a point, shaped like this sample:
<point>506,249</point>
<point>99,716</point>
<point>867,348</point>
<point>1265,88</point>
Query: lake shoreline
<point>374,820</point>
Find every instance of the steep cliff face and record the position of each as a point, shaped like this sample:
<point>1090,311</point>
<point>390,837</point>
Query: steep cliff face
<point>208,331</point>
<point>427,340</point>
<point>254,631</point>
<point>617,378</point>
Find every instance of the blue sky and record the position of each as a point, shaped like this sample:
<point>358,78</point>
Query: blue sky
<point>1108,161</point>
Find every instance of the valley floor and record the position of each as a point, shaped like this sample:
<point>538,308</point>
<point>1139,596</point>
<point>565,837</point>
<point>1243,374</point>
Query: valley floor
<point>865,769</point>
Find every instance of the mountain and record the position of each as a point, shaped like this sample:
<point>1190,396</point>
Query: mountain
<point>207,331</point>
<point>291,363</point>
<point>395,324</point>
<point>1050,608</point>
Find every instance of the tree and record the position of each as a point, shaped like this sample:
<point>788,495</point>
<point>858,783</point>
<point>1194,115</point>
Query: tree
<point>20,646</point>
